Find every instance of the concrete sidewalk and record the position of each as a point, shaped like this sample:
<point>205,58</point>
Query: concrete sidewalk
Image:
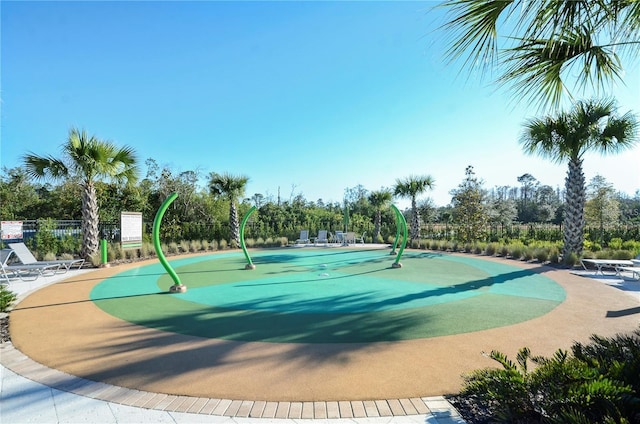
<point>69,399</point>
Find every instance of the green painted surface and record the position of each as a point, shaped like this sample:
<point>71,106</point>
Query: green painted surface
<point>329,296</point>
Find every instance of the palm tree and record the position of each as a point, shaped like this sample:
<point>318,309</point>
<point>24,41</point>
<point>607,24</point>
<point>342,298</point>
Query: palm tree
<point>411,187</point>
<point>379,200</point>
<point>231,187</point>
<point>589,126</point>
<point>87,159</point>
<point>542,45</point>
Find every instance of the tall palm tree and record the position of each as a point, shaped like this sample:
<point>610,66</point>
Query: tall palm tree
<point>539,47</point>
<point>87,159</point>
<point>410,188</point>
<point>231,187</point>
<point>379,200</point>
<point>589,126</point>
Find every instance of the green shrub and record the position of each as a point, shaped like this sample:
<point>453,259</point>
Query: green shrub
<point>541,254</point>
<point>615,243</point>
<point>528,253</point>
<point>491,249</point>
<point>222,244</point>
<point>7,297</point>
<point>45,239</point>
<point>193,246</point>
<point>503,250</point>
<point>554,255</point>
<point>479,248</point>
<point>622,255</point>
<point>183,246</point>
<point>516,251</point>
<point>570,260</point>
<point>173,248</point>
<point>433,245</point>
<point>49,256</point>
<point>597,383</point>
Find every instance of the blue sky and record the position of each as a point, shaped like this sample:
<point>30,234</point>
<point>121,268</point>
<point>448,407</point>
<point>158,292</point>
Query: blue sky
<point>307,97</point>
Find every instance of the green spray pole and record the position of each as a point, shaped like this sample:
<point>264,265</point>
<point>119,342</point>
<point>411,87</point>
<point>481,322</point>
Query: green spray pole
<point>403,221</point>
<point>398,226</point>
<point>177,286</point>
<point>103,252</point>
<point>249,264</point>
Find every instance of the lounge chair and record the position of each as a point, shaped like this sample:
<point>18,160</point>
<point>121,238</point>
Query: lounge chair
<point>304,237</point>
<point>338,238</point>
<point>361,238</point>
<point>350,237</point>
<point>601,264</point>
<point>322,238</point>
<point>25,272</point>
<point>26,257</point>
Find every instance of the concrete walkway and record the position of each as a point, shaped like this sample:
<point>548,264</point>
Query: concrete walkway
<point>33,393</point>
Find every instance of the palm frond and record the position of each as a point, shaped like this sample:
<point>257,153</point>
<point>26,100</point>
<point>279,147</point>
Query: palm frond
<point>475,30</point>
<point>42,167</point>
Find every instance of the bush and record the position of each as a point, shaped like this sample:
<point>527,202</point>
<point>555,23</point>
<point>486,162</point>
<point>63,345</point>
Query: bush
<point>516,251</point>
<point>491,249</point>
<point>597,383</point>
<point>195,246</point>
<point>183,246</point>
<point>541,255</point>
<point>554,255</point>
<point>173,248</point>
<point>570,260</point>
<point>222,244</point>
<point>7,297</point>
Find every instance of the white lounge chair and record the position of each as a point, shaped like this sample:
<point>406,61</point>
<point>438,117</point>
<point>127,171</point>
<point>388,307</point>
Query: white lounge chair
<point>26,257</point>
<point>338,238</point>
<point>350,237</point>
<point>361,238</point>
<point>304,237</point>
<point>322,238</point>
<point>25,272</point>
<point>601,264</point>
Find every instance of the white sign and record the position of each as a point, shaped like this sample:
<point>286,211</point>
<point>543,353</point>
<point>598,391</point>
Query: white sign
<point>11,230</point>
<point>130,229</point>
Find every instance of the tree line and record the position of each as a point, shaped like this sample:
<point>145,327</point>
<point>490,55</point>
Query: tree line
<point>204,212</point>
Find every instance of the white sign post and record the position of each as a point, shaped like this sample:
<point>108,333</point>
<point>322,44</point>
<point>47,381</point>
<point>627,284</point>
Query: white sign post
<point>131,230</point>
<point>11,230</point>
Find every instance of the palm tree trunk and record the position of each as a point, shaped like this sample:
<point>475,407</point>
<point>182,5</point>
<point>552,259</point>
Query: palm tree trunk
<point>573,233</point>
<point>377,224</point>
<point>415,220</point>
<point>90,220</point>
<point>234,227</point>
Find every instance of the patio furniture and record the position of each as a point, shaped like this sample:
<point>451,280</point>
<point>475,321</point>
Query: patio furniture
<point>25,256</point>
<point>322,238</point>
<point>304,237</point>
<point>25,272</point>
<point>602,264</point>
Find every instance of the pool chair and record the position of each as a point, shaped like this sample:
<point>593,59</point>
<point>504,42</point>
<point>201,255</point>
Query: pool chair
<point>25,272</point>
<point>304,237</point>
<point>350,237</point>
<point>25,256</point>
<point>321,239</point>
<point>338,238</point>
